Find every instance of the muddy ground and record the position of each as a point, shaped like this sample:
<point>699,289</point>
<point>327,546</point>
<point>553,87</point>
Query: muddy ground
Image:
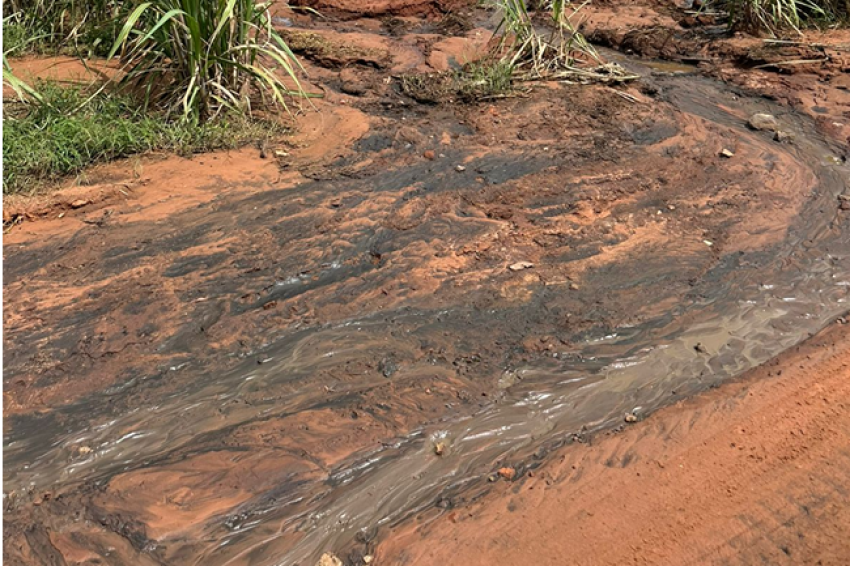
<point>755,472</point>
<point>208,360</point>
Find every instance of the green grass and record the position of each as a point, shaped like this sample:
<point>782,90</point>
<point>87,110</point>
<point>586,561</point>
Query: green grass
<point>64,134</point>
<point>198,57</point>
<point>777,16</point>
<point>84,27</point>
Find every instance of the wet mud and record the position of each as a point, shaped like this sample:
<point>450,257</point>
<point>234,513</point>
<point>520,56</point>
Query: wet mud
<point>250,362</point>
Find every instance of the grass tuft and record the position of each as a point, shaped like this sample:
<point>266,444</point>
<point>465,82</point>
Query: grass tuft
<point>198,57</point>
<point>70,130</point>
<point>777,16</point>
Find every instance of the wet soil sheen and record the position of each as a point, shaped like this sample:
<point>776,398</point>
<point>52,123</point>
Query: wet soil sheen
<point>755,472</point>
<point>262,356</point>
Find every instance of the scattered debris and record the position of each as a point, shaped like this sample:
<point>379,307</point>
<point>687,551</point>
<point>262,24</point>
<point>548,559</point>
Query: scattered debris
<point>329,559</point>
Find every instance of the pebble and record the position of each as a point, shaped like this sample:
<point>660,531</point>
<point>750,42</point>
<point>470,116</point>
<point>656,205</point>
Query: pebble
<point>631,418</point>
<point>761,121</point>
<point>79,203</point>
<point>727,153</point>
<point>439,448</point>
<point>460,168</point>
<point>507,473</point>
<point>783,137</point>
<point>520,265</point>
<point>329,559</point>
<point>429,155</point>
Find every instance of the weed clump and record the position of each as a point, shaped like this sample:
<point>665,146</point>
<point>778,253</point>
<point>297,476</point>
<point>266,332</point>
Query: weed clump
<point>521,53</point>
<point>777,16</point>
<point>84,27</point>
<point>197,58</point>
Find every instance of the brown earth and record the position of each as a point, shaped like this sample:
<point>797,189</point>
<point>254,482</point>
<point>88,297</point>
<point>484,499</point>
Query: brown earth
<point>456,241</point>
<point>754,472</point>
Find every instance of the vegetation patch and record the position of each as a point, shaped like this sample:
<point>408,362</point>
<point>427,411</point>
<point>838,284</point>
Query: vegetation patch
<point>483,80</point>
<point>778,16</point>
<point>84,27</point>
<point>70,130</point>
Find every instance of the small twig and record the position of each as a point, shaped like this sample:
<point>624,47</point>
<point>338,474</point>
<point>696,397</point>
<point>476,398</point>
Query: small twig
<point>820,46</point>
<point>791,63</point>
<point>625,95</point>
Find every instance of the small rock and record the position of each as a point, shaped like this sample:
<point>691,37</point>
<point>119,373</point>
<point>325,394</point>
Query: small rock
<point>440,448</point>
<point>79,203</point>
<point>631,418</point>
<point>351,83</point>
<point>845,205</point>
<point>783,137</point>
<point>460,168</point>
<point>507,473</point>
<point>329,559</point>
<point>727,153</point>
<point>368,559</point>
<point>765,122</point>
<point>573,287</point>
<point>429,155</point>
<point>520,265</point>
<point>387,366</point>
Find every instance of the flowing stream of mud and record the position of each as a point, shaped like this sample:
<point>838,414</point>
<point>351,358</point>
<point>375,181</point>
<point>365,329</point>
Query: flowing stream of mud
<point>754,306</point>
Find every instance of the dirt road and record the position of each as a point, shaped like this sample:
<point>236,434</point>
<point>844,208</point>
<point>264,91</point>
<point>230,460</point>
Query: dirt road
<point>251,358</point>
<point>754,472</point>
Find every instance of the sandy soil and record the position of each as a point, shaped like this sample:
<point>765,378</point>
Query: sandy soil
<point>754,472</point>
